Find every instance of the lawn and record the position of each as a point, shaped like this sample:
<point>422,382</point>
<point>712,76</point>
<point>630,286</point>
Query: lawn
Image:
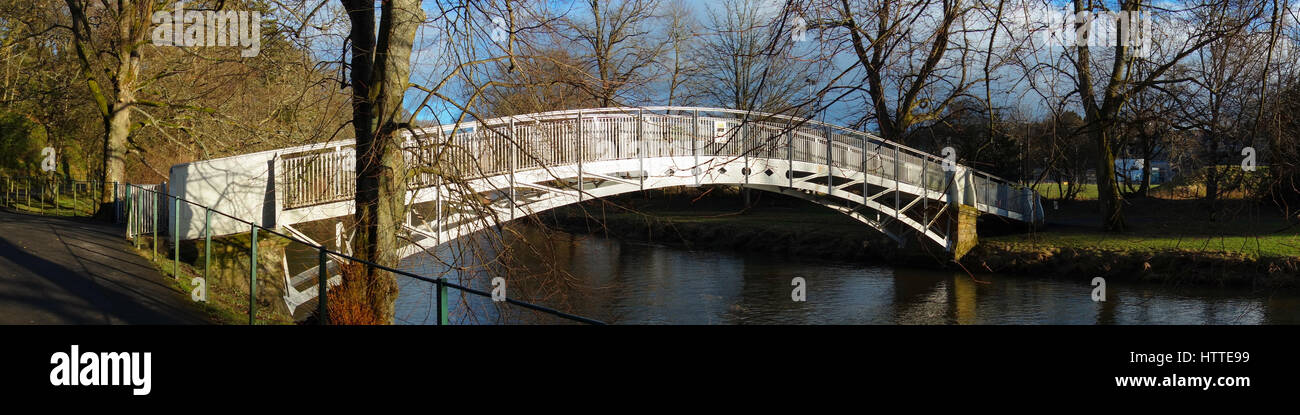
<point>1164,224</point>
<point>1051,191</point>
<point>1088,191</point>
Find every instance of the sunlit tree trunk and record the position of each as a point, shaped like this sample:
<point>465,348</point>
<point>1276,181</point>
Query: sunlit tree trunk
<point>381,70</point>
<point>118,61</point>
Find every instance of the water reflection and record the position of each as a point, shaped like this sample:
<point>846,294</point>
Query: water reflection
<point>636,283</point>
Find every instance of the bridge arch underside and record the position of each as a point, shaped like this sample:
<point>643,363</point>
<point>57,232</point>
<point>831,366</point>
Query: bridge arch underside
<point>899,210</point>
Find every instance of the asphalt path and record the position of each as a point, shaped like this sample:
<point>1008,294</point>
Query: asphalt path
<point>77,271</point>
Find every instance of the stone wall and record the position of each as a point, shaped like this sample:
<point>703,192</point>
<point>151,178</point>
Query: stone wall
<point>230,268</point>
<point>965,234</point>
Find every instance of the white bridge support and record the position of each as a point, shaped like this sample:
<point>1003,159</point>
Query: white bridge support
<point>523,165</point>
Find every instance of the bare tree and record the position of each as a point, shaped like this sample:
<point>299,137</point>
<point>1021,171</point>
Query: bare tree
<point>619,47</point>
<point>913,56</point>
<point>1102,102</point>
<point>744,62</point>
<point>108,37</point>
<point>380,71</point>
<point>678,59</point>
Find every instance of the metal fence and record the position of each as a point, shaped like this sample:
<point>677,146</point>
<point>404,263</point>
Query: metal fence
<point>325,257</point>
<point>54,195</point>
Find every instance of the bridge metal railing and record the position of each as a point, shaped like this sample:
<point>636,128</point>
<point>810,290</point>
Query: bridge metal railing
<point>151,223</point>
<point>319,174</point>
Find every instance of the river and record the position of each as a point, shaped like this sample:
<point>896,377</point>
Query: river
<point>625,282</point>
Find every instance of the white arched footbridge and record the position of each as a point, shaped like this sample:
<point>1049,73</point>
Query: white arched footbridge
<point>516,166</point>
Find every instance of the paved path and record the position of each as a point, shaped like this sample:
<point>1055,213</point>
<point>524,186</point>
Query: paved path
<point>74,271</point>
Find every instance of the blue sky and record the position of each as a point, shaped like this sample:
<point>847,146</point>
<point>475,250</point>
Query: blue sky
<point>1010,92</point>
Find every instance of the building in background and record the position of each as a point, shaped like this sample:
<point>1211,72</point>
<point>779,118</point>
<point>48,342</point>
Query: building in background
<point>1131,170</point>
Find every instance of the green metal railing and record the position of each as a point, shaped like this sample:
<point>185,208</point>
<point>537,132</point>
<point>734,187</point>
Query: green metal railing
<point>141,208</point>
<point>441,284</point>
<point>52,195</point>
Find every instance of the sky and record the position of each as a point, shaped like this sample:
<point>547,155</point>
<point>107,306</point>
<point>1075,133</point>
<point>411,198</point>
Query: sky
<point>1011,90</point>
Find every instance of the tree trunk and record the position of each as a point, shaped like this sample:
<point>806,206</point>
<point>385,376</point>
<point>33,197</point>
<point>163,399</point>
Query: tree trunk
<point>116,128</point>
<point>1145,190</point>
<point>1112,215</point>
<point>380,73</point>
<point>120,65</point>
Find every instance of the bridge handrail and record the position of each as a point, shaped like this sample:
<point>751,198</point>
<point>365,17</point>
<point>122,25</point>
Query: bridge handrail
<point>561,114</point>
<point>439,282</point>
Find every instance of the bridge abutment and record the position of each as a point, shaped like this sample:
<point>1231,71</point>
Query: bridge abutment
<point>229,269</point>
<point>965,236</point>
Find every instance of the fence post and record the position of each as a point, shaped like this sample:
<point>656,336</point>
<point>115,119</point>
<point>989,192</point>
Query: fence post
<point>695,142</point>
<point>126,210</point>
<point>322,283</point>
<point>74,198</point>
<point>580,154</point>
<point>514,161</point>
<point>442,302</point>
<point>925,195</point>
<point>252,277</point>
<point>57,209</point>
<point>640,146</point>
<point>865,158</point>
<point>154,232</point>
<point>176,237</point>
<point>437,213</point>
<point>830,168</point>
<point>130,219</point>
<point>897,184</point>
<point>207,249</point>
<point>789,155</point>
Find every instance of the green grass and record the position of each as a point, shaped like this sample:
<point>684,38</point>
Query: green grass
<point>224,305</point>
<point>1050,191</point>
<point>1086,192</point>
<point>1257,246</point>
<point>64,205</point>
<point>1165,225</point>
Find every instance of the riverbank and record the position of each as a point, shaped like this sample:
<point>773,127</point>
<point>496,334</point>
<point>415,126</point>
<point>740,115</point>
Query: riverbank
<point>1170,241</point>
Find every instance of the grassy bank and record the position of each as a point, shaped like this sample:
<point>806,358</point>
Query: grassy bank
<point>224,305</point>
<point>1168,240</point>
<point>1157,224</point>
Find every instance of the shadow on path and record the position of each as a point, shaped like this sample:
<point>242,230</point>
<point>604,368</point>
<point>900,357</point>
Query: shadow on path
<point>75,271</point>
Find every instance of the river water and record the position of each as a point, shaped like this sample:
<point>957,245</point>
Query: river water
<point>626,282</point>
